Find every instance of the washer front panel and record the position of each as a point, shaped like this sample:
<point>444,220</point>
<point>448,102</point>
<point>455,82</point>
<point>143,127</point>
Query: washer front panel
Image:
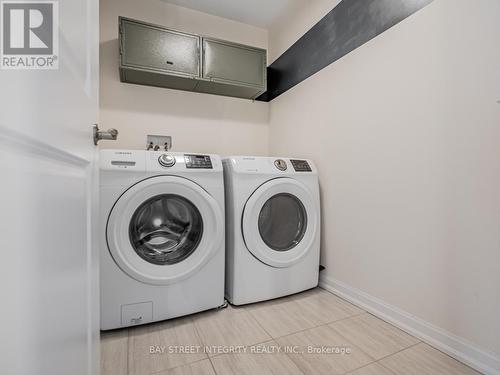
<point>295,219</point>
<point>185,197</point>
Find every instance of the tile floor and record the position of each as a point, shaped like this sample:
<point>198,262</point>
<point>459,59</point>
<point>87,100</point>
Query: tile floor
<point>282,336</point>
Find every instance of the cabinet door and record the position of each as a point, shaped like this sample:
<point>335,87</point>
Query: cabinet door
<point>236,63</point>
<point>150,47</point>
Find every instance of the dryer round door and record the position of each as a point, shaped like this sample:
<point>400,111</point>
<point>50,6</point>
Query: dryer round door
<point>163,229</point>
<point>280,221</point>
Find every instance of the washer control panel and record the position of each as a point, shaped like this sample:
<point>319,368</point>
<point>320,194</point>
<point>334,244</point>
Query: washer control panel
<point>301,165</point>
<point>166,160</point>
<point>198,161</point>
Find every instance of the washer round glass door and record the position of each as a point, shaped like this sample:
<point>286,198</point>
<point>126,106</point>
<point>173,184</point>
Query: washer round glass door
<point>279,222</point>
<point>163,229</point>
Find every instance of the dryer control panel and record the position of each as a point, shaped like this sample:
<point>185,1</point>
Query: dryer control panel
<point>300,165</point>
<point>271,165</point>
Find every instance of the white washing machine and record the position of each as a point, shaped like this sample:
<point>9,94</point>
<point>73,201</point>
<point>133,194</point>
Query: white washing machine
<point>162,235</point>
<point>272,227</point>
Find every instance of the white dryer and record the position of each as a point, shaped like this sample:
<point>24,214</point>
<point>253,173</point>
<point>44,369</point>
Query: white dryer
<point>162,235</point>
<point>272,227</point>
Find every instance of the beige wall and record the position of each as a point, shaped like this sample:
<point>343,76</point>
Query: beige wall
<point>197,122</point>
<point>405,131</point>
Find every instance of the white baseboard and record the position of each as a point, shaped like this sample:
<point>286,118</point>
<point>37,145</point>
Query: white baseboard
<point>454,346</point>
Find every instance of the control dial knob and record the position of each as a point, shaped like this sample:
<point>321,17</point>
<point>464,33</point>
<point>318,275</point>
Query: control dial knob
<point>166,160</point>
<point>280,164</point>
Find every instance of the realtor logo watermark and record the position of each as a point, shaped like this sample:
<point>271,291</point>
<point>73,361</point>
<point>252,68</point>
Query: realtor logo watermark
<point>29,35</point>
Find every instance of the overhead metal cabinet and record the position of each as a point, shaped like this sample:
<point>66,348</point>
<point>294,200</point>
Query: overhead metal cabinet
<point>155,56</point>
<point>232,69</point>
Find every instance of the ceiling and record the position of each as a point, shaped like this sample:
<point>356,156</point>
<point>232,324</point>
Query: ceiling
<point>261,13</point>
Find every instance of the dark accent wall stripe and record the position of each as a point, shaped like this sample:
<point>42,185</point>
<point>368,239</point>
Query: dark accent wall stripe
<point>346,27</point>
